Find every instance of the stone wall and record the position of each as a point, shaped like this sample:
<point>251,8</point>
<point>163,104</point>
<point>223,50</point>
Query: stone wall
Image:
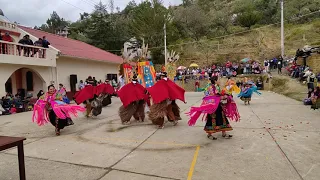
<point>312,61</point>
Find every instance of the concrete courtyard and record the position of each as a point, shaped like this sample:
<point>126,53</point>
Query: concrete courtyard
<point>277,139</point>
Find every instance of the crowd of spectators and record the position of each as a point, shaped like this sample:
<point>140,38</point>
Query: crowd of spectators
<point>10,104</point>
<point>28,51</point>
<point>229,69</point>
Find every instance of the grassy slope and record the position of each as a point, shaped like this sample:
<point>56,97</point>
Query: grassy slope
<point>257,44</point>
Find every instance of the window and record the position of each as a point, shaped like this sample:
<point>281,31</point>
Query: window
<point>29,79</point>
<point>110,77</point>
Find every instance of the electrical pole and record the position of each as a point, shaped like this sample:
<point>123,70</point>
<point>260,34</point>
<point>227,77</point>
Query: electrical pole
<point>165,44</point>
<point>282,30</point>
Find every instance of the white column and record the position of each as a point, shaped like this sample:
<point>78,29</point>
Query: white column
<point>165,44</point>
<point>282,30</point>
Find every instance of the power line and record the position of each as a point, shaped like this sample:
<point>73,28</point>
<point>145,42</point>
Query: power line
<point>93,2</point>
<point>73,5</point>
<point>89,3</point>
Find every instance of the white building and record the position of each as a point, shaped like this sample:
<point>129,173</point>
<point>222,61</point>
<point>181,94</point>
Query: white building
<point>66,60</point>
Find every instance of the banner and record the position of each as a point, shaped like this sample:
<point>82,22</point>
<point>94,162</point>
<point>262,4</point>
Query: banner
<point>146,74</point>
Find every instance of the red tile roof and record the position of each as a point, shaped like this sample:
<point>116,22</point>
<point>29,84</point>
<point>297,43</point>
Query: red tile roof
<point>75,48</point>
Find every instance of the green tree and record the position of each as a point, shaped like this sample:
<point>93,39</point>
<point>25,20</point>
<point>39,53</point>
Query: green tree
<point>192,21</point>
<point>247,13</point>
<point>269,10</point>
<point>54,23</point>
<point>147,22</point>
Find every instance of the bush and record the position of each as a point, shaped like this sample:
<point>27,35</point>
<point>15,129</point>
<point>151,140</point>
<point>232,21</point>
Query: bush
<point>279,85</point>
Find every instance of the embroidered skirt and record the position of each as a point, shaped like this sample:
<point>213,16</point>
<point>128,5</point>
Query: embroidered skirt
<point>217,122</point>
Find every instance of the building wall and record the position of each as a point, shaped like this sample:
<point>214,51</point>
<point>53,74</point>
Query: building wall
<point>83,68</point>
<point>42,77</point>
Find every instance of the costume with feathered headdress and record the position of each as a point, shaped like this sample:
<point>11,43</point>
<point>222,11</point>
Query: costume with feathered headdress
<point>146,72</point>
<point>170,67</point>
<point>217,106</point>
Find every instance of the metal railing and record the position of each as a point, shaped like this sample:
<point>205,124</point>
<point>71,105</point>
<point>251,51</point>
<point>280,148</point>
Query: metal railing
<point>8,25</point>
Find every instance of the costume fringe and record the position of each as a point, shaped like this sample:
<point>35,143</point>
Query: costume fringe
<point>126,113</point>
<point>158,112</point>
<point>176,111</point>
<point>62,111</point>
<point>96,106</point>
<point>140,114</point>
<point>106,101</point>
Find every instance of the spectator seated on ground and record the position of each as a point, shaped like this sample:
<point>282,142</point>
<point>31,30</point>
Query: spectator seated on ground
<point>307,101</point>
<point>2,110</point>
<point>6,105</point>
<point>315,98</point>
<point>259,84</point>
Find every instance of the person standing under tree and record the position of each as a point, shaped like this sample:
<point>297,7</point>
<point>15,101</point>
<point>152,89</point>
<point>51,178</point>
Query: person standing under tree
<point>280,61</point>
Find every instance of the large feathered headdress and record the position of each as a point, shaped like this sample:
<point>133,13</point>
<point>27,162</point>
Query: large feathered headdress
<point>172,57</point>
<point>143,52</point>
<point>128,53</point>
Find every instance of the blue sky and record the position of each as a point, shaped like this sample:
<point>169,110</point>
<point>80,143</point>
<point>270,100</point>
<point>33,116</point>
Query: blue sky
<point>36,12</point>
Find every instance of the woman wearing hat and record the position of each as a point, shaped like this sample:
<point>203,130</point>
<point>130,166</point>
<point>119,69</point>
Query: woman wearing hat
<point>247,91</point>
<point>218,107</point>
<point>164,95</point>
<point>133,97</point>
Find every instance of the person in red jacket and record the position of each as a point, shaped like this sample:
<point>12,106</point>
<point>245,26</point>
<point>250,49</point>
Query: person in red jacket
<point>7,38</point>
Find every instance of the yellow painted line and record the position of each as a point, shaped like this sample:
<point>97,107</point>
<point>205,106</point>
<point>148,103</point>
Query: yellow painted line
<point>195,156</point>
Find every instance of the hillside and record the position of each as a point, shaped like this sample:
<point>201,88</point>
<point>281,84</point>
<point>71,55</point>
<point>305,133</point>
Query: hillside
<point>260,43</point>
<point>192,28</point>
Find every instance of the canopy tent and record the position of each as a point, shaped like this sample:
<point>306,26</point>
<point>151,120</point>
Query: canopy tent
<point>245,60</point>
<point>181,68</point>
<point>194,65</point>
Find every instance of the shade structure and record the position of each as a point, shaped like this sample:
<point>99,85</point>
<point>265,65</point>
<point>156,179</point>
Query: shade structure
<point>181,68</point>
<point>194,65</point>
<point>245,60</point>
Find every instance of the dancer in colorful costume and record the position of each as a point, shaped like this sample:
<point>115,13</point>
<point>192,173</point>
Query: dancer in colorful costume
<point>91,98</point>
<point>171,67</point>
<point>164,95</point>
<point>106,91</point>
<point>145,68</point>
<point>133,97</point>
<point>126,69</point>
<point>63,92</point>
<point>50,107</point>
<point>217,107</point>
<point>231,87</point>
<point>246,92</point>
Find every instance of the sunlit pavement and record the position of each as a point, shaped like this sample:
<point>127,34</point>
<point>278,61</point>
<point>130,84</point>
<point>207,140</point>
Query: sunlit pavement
<point>277,138</point>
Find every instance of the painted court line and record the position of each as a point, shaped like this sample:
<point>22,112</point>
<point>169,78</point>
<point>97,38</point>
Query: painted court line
<point>137,141</point>
<point>194,161</point>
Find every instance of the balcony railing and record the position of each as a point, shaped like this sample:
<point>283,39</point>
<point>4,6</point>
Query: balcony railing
<point>15,49</point>
<point>8,25</point>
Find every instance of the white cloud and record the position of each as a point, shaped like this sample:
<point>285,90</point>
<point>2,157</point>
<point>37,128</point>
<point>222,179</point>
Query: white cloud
<point>36,12</point>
